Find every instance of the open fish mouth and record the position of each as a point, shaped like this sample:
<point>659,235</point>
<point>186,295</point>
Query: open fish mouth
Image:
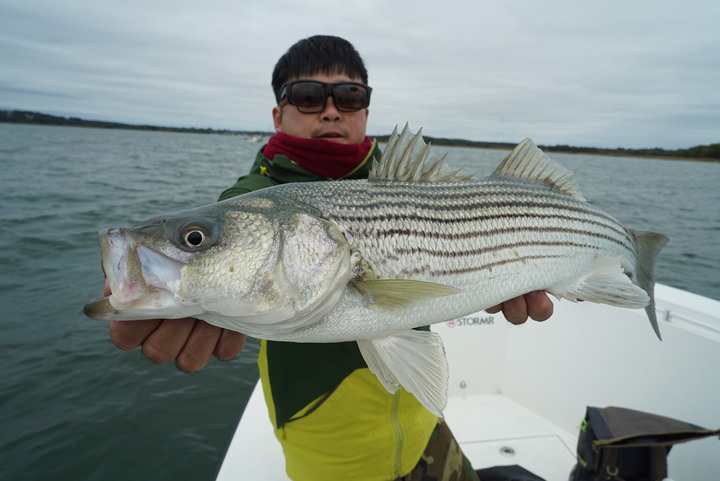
<point>141,280</point>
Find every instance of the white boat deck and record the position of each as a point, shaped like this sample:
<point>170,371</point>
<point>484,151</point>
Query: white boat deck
<point>518,393</point>
<point>254,453</point>
<point>502,432</point>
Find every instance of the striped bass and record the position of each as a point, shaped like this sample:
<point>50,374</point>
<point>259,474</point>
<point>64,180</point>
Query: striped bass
<point>369,260</point>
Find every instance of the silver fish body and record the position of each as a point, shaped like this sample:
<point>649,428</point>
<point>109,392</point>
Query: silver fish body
<point>369,260</point>
<point>491,239</point>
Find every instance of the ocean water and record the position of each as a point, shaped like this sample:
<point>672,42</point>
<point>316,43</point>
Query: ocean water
<point>73,407</point>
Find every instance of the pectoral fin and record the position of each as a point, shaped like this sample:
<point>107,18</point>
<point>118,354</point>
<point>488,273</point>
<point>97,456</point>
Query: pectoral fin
<point>396,293</point>
<point>414,360</point>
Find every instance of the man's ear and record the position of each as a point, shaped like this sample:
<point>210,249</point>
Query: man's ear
<point>277,118</point>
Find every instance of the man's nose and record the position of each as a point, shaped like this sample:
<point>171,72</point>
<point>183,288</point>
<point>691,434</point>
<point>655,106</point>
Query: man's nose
<point>330,112</point>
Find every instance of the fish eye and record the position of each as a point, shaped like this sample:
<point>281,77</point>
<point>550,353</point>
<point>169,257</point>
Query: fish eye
<point>194,238</point>
<point>193,235</point>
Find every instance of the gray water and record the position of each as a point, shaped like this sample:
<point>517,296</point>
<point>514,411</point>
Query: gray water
<point>72,407</point>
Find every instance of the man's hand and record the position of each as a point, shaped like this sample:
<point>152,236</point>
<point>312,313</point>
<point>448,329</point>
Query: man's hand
<point>536,305</point>
<point>189,342</point>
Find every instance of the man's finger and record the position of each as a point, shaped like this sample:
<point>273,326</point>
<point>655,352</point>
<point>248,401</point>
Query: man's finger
<point>515,310</point>
<point>539,305</point>
<point>128,335</point>
<point>165,342</point>
<point>199,347</point>
<point>229,345</point>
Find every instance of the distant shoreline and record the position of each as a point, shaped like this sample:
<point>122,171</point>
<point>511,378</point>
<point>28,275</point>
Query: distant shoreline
<point>710,153</point>
<point>37,118</point>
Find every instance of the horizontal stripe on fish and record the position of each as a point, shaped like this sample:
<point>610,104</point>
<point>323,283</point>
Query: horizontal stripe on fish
<point>444,235</point>
<point>470,269</point>
<point>475,209</point>
<point>354,199</point>
<point>489,249</point>
<point>472,217</point>
<point>439,191</point>
<point>471,207</point>
<point>432,199</point>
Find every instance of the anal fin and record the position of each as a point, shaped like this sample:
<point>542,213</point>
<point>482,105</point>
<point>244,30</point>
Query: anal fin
<point>414,360</point>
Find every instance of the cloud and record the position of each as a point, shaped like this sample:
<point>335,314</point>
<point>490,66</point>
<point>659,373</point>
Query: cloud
<point>606,74</point>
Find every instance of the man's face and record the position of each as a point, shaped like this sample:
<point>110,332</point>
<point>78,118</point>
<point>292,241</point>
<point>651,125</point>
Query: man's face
<point>330,124</point>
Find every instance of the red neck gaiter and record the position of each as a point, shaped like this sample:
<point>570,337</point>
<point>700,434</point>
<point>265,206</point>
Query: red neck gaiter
<point>320,156</point>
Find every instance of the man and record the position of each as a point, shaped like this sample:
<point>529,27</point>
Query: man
<point>332,416</point>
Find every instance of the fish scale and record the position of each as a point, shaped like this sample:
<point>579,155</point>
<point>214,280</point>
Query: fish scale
<point>507,260</point>
<point>485,224</point>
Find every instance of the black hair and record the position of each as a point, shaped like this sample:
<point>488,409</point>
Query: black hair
<point>318,54</point>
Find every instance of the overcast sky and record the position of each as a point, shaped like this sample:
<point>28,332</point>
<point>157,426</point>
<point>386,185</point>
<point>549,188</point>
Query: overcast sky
<point>606,73</point>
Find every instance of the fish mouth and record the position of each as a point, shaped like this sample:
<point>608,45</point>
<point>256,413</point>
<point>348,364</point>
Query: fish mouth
<point>141,280</point>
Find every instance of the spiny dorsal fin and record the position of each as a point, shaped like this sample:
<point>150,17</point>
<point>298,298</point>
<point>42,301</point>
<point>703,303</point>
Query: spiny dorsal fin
<point>407,157</point>
<point>528,162</point>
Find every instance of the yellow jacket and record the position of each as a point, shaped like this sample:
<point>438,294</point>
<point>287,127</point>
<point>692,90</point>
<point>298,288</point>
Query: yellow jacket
<point>359,432</point>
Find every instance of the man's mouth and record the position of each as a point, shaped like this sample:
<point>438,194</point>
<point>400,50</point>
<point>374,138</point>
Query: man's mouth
<point>331,135</point>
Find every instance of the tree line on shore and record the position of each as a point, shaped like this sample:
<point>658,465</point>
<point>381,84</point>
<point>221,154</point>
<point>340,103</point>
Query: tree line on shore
<point>700,152</point>
<point>37,118</point>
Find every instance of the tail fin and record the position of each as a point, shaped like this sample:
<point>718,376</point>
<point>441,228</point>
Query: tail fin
<point>649,244</point>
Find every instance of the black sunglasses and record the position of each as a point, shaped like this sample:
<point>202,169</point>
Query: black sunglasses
<point>310,96</point>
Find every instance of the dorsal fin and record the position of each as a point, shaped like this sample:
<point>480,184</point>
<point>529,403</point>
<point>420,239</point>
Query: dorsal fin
<point>528,162</point>
<point>408,157</point>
